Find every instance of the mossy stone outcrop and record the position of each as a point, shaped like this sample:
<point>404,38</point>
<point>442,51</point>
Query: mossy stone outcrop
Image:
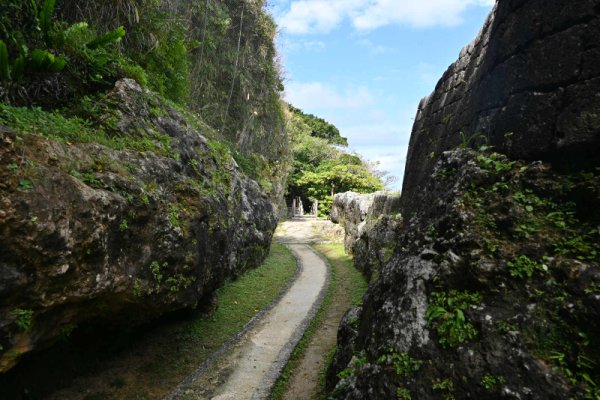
<point>372,223</point>
<point>493,290</point>
<point>88,232</point>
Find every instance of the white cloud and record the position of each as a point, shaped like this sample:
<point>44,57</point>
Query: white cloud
<point>376,115</point>
<point>316,95</point>
<point>305,45</point>
<point>322,16</point>
<point>316,16</point>
<point>420,14</point>
<point>367,134</point>
<point>391,159</point>
<point>386,143</point>
<point>374,48</point>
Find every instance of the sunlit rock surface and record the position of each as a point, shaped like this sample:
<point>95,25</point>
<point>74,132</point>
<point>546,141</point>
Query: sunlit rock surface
<point>493,290</point>
<point>119,237</point>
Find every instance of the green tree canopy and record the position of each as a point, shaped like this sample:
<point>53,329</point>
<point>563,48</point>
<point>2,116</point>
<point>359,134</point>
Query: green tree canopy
<point>320,128</point>
<point>320,169</point>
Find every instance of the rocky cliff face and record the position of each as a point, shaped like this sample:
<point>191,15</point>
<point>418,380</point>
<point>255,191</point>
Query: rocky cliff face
<point>528,85</point>
<point>88,232</point>
<point>371,225</point>
<point>493,290</point>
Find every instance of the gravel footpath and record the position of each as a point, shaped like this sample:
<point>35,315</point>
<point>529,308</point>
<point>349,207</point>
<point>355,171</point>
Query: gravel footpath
<point>249,368</point>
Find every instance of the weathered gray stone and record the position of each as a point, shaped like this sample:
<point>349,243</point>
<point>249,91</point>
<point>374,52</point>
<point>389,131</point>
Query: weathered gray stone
<point>350,209</point>
<point>119,237</point>
<point>371,224</point>
<point>533,70</point>
<point>528,86</point>
<point>461,238</point>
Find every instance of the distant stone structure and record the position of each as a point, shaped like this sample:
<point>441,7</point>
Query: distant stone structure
<point>314,210</point>
<point>372,223</point>
<point>297,207</point>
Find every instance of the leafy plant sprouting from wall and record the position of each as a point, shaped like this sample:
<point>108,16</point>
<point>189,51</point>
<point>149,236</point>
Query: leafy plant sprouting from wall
<point>23,318</point>
<point>446,312</point>
<point>52,46</point>
<point>187,51</point>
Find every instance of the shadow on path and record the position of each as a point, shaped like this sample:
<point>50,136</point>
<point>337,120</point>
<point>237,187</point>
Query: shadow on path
<point>249,368</point>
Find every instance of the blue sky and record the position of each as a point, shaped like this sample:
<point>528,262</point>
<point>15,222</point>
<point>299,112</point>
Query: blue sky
<point>364,65</point>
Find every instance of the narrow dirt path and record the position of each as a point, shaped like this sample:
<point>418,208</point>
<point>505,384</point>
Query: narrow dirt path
<point>304,383</point>
<point>348,286</point>
<point>251,367</point>
<point>308,230</point>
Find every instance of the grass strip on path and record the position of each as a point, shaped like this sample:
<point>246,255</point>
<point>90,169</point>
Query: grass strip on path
<point>150,370</point>
<point>357,285</point>
<point>347,287</point>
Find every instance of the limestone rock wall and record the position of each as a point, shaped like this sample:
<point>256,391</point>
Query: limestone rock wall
<point>350,209</point>
<point>486,295</point>
<point>119,236</point>
<point>371,225</point>
<point>528,85</point>
<point>482,292</point>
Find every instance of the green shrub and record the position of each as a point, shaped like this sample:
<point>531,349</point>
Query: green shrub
<point>44,61</point>
<point>160,43</point>
<point>489,381</point>
<point>523,267</point>
<point>168,68</point>
<point>75,36</point>
<point>56,126</point>
<point>25,184</point>
<point>107,38</point>
<point>320,128</point>
<point>89,58</point>
<point>45,20</point>
<point>36,61</point>
<point>354,366</point>
<point>446,387</point>
<point>23,318</point>
<point>446,312</point>
<point>578,246</point>
<point>403,393</point>
<point>494,162</point>
<point>131,70</point>
<point>4,66</point>
<point>403,364</point>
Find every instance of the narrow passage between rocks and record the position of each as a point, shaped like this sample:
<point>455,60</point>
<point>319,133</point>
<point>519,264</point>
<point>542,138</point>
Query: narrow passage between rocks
<point>251,367</point>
